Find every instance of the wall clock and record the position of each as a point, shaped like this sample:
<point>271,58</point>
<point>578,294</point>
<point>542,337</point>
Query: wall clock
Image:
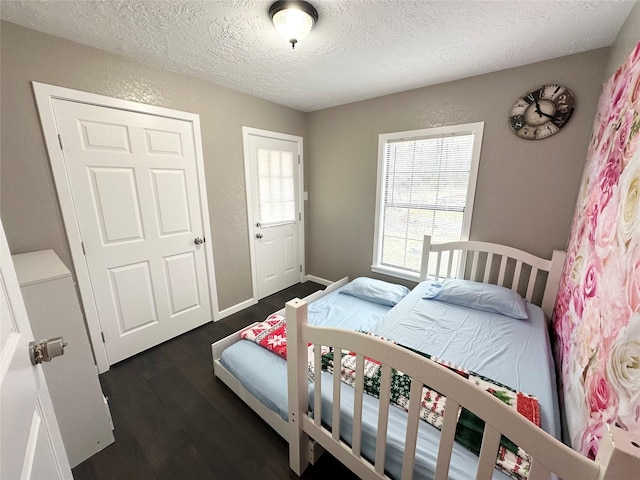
<point>541,112</point>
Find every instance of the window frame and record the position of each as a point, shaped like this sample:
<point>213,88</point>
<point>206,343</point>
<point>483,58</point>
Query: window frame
<point>477,128</point>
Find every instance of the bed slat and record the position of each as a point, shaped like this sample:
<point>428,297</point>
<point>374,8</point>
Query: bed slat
<point>488,452</point>
<point>533,276</point>
<point>317,384</point>
<point>383,416</point>
<point>337,367</point>
<point>411,438</point>
<point>516,276</point>
<point>357,406</point>
<point>446,439</point>
<point>450,264</point>
<point>438,258</point>
<point>424,260</point>
<point>503,269</point>
<point>487,267</point>
<point>474,266</point>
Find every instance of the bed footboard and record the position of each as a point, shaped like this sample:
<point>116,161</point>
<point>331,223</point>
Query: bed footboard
<point>548,454</point>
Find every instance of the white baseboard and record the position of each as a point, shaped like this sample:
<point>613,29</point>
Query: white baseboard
<point>252,301</point>
<point>236,308</point>
<point>321,281</point>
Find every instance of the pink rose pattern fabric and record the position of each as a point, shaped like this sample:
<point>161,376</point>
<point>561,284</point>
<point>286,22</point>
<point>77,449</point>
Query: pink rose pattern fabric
<point>597,313</point>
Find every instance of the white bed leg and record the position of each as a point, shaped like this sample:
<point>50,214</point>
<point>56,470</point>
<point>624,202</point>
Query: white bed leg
<point>296,313</point>
<point>618,455</point>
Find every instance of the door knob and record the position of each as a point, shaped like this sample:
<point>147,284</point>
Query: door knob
<point>258,235</point>
<point>198,241</point>
<point>46,350</point>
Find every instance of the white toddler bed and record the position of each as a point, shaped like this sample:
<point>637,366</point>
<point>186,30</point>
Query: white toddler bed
<point>489,263</point>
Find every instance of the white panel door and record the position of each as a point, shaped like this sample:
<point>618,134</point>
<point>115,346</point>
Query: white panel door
<point>135,189</point>
<point>30,438</point>
<point>276,211</point>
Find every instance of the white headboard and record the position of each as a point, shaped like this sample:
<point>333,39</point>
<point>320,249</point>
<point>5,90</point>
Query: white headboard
<point>498,264</point>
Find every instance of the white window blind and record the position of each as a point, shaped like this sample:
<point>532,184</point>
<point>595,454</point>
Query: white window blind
<point>276,187</point>
<point>424,190</point>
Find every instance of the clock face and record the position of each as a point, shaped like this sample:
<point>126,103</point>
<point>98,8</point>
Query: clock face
<point>541,112</point>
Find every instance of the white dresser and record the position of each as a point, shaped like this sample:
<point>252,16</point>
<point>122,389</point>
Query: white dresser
<point>53,308</point>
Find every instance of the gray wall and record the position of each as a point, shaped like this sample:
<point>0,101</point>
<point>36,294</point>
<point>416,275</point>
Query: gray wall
<point>626,41</point>
<point>29,206</point>
<point>526,189</point>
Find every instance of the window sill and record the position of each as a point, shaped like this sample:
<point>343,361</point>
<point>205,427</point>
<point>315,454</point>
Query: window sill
<point>396,272</point>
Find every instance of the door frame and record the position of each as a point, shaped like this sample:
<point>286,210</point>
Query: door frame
<point>251,225</point>
<point>44,95</point>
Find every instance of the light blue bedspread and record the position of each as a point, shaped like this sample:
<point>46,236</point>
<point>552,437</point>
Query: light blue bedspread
<point>264,374</point>
<point>513,352</point>
<point>479,341</point>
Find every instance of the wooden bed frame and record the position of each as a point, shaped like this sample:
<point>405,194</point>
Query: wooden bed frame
<point>619,455</point>
<point>273,419</point>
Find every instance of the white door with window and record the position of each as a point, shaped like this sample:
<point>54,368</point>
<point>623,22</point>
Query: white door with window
<point>135,189</point>
<point>274,183</point>
<point>32,446</point>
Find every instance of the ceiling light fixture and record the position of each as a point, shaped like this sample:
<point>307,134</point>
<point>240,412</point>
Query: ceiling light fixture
<point>293,19</point>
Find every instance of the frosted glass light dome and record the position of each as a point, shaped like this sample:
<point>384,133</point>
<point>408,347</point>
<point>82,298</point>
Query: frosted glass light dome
<point>293,20</point>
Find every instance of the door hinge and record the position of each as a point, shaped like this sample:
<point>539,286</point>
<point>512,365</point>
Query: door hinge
<point>299,216</point>
<point>84,252</point>
<point>298,159</point>
<point>300,268</point>
<point>60,141</point>
<point>103,339</point>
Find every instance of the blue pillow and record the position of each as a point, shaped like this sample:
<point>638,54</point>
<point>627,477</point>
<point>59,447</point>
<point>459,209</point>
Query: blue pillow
<point>375,291</point>
<point>480,296</point>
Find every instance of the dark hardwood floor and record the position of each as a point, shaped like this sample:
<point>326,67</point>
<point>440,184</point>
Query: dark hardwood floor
<point>174,420</point>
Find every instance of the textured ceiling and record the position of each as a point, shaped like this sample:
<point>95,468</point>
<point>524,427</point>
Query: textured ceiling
<point>358,50</point>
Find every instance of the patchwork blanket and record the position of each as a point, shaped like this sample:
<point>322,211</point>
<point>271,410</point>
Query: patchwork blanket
<point>511,459</point>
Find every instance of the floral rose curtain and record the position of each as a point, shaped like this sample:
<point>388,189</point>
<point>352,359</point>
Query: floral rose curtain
<point>597,314</point>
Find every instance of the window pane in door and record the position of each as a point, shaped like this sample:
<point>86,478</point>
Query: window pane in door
<point>276,187</point>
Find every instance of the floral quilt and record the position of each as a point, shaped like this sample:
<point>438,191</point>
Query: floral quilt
<point>512,460</point>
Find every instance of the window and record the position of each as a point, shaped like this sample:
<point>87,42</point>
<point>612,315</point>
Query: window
<point>276,187</point>
<point>426,185</point>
